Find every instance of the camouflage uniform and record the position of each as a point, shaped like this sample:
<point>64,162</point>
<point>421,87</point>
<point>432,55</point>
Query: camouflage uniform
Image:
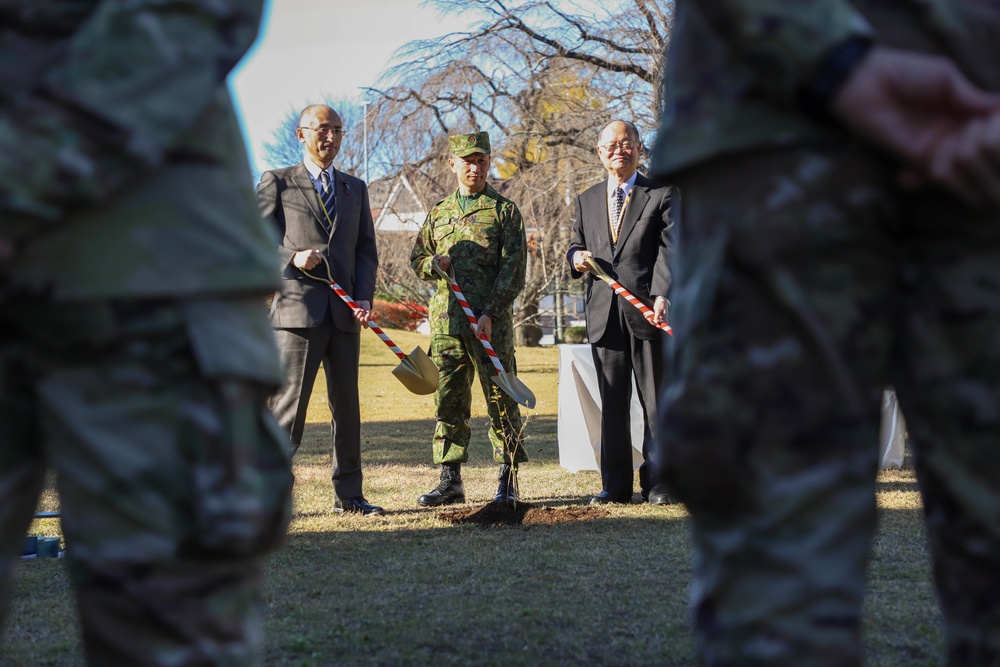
<point>805,282</point>
<point>135,356</point>
<point>487,248</point>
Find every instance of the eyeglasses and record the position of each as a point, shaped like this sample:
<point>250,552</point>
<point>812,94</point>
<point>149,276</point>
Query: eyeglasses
<point>625,146</point>
<point>326,129</point>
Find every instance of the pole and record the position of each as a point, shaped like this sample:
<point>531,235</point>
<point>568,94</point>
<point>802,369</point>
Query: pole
<point>560,314</point>
<point>558,329</point>
<point>364,124</point>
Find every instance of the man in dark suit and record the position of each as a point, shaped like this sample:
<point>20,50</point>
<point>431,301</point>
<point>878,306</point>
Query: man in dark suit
<point>622,224</point>
<point>322,213</point>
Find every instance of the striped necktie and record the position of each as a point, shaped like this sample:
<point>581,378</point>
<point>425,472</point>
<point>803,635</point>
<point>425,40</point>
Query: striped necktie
<point>616,212</point>
<point>327,199</point>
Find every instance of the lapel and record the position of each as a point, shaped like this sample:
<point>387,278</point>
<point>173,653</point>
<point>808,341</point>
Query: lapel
<point>633,209</point>
<point>601,233</point>
<point>300,178</point>
<point>343,197</point>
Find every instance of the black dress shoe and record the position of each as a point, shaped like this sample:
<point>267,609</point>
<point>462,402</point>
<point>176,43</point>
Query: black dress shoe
<point>658,498</point>
<point>605,498</point>
<point>357,505</point>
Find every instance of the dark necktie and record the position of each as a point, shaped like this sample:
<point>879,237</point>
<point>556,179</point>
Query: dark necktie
<point>328,199</point>
<point>616,212</point>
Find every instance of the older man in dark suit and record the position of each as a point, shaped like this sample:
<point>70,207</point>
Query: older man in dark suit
<point>322,213</point>
<point>622,225</point>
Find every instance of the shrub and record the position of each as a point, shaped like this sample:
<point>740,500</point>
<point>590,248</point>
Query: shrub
<point>406,315</point>
<point>574,334</point>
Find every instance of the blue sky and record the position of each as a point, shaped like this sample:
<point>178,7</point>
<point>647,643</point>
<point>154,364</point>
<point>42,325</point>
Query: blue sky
<point>309,49</point>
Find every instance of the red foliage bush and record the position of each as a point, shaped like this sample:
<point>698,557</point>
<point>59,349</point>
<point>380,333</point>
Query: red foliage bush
<point>406,315</point>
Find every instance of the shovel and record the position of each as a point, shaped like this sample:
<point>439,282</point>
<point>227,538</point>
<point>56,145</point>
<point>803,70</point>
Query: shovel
<point>415,370</point>
<point>506,381</point>
<point>625,294</point>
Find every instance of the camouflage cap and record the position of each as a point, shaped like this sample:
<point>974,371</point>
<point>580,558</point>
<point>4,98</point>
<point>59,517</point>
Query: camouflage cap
<point>467,144</point>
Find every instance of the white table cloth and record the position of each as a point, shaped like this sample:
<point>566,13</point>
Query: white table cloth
<point>579,420</point>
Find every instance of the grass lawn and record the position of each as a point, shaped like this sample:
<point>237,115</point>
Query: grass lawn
<point>411,589</point>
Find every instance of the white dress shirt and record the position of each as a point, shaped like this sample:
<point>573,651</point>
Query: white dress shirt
<point>314,174</point>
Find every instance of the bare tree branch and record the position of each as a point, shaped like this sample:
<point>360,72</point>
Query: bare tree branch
<point>542,76</point>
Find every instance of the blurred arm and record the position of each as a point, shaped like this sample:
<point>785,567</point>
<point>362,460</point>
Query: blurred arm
<point>111,100</point>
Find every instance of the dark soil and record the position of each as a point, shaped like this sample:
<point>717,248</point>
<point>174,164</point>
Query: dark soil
<point>497,515</point>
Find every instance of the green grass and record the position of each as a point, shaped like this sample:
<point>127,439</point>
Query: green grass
<point>410,589</point>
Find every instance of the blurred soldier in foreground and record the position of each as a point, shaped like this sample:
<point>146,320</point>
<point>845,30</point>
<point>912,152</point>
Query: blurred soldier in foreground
<point>840,233</point>
<point>135,358</point>
<point>479,234</point>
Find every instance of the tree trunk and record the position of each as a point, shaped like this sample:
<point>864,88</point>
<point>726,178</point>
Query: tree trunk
<point>529,333</point>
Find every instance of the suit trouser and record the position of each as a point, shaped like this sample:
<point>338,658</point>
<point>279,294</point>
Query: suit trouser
<point>173,480</point>
<point>302,351</point>
<point>805,284</point>
<point>617,355</point>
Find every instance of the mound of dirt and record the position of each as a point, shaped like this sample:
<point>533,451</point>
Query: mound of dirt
<point>497,515</point>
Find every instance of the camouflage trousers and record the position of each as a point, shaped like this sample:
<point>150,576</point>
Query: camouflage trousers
<point>457,357</point>
<point>172,477</point>
<point>804,284</point>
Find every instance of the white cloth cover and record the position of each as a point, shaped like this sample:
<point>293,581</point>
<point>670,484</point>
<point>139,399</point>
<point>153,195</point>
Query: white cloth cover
<point>579,421</point>
<point>892,432</point>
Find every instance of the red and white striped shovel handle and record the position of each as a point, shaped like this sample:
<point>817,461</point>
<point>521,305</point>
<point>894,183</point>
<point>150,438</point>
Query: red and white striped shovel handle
<point>473,322</point>
<point>339,291</point>
<point>628,296</point>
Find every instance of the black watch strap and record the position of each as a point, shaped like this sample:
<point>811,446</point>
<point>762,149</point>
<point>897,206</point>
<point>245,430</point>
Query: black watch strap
<point>816,96</point>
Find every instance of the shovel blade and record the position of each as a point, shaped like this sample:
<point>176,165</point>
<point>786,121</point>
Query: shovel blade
<point>514,388</point>
<point>417,372</point>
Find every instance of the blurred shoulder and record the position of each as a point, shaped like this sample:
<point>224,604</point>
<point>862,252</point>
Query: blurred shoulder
<point>353,181</point>
<point>281,174</point>
<point>651,183</point>
<point>657,189</point>
<point>445,204</point>
<point>597,188</point>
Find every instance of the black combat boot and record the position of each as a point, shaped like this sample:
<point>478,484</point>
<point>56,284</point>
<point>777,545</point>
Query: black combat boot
<point>507,489</point>
<point>450,490</point>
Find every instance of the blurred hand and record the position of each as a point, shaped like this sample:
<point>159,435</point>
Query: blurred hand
<point>923,109</point>
<point>444,261</point>
<point>659,311</point>
<point>968,162</point>
<point>363,313</point>
<point>306,259</point>
<point>579,257</point>
<point>484,328</point>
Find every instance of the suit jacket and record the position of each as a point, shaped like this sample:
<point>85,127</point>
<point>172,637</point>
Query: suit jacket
<point>639,260</point>
<point>289,196</point>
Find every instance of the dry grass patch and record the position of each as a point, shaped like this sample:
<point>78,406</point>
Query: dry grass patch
<point>415,588</point>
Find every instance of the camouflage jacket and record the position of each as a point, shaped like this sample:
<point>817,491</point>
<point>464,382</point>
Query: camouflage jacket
<point>735,68</point>
<point>488,253</point>
<point>122,168</point>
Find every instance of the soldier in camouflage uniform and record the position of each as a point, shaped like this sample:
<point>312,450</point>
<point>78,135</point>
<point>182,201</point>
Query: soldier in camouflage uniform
<point>807,280</point>
<point>135,354</point>
<point>480,235</point>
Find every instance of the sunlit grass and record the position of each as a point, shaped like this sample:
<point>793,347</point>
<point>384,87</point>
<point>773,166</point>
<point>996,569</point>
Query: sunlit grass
<point>410,589</point>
